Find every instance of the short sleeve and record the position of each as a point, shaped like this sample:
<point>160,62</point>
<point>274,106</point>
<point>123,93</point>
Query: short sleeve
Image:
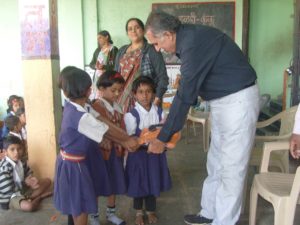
<point>94,112</point>
<point>92,127</point>
<point>130,123</point>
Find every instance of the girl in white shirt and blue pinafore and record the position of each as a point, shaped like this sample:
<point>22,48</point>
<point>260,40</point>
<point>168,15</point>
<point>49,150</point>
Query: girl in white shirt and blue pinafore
<point>110,86</point>
<point>147,174</point>
<point>80,133</point>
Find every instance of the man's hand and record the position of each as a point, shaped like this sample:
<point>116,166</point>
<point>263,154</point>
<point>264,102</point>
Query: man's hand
<point>156,146</point>
<point>295,146</point>
<point>131,144</point>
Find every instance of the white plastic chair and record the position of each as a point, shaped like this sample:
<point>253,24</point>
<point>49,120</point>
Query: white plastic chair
<point>279,160</point>
<point>199,117</point>
<point>280,189</point>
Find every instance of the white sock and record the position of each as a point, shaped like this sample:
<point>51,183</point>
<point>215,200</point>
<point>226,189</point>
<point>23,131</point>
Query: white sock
<point>111,216</point>
<point>94,219</point>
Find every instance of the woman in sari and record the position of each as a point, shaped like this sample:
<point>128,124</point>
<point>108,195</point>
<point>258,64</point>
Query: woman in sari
<point>140,59</point>
<point>103,58</point>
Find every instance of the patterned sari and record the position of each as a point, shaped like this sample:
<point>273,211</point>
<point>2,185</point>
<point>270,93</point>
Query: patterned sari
<point>130,70</point>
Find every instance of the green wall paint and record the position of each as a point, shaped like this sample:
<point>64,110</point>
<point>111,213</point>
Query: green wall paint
<point>271,42</point>
<point>90,28</point>
<point>10,57</point>
<point>70,31</point>
<point>113,16</point>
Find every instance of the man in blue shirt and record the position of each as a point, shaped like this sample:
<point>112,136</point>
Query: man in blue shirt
<point>214,68</point>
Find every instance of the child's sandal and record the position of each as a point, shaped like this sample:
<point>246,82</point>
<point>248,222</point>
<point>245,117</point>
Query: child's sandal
<point>139,218</point>
<point>152,218</point>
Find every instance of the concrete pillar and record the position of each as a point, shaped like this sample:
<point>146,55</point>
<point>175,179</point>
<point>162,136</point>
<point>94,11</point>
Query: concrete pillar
<point>40,68</point>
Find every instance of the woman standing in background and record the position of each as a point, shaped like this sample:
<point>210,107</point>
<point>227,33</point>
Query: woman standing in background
<point>140,59</point>
<point>103,57</point>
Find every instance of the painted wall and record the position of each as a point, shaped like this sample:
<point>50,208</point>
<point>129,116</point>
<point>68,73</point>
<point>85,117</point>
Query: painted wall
<point>90,28</point>
<point>140,9</point>
<point>70,31</point>
<point>271,42</point>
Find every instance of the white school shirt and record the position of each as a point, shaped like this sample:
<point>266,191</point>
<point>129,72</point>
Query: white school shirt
<point>18,135</point>
<point>147,118</point>
<point>297,121</point>
<point>18,172</point>
<point>111,108</point>
<point>88,124</point>
<point>24,133</point>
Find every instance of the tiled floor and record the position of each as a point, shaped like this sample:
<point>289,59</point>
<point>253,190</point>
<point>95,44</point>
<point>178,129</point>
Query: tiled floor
<point>187,167</point>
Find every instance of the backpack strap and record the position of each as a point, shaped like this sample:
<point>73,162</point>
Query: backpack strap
<point>159,111</point>
<point>136,115</point>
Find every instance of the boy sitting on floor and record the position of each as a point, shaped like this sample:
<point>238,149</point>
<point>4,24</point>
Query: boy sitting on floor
<point>21,114</point>
<point>14,126</point>
<point>18,188</point>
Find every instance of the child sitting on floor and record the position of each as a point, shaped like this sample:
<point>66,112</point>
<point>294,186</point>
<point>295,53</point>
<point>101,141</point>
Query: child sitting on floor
<point>14,127</point>
<point>21,114</point>
<point>13,104</point>
<point>19,189</point>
